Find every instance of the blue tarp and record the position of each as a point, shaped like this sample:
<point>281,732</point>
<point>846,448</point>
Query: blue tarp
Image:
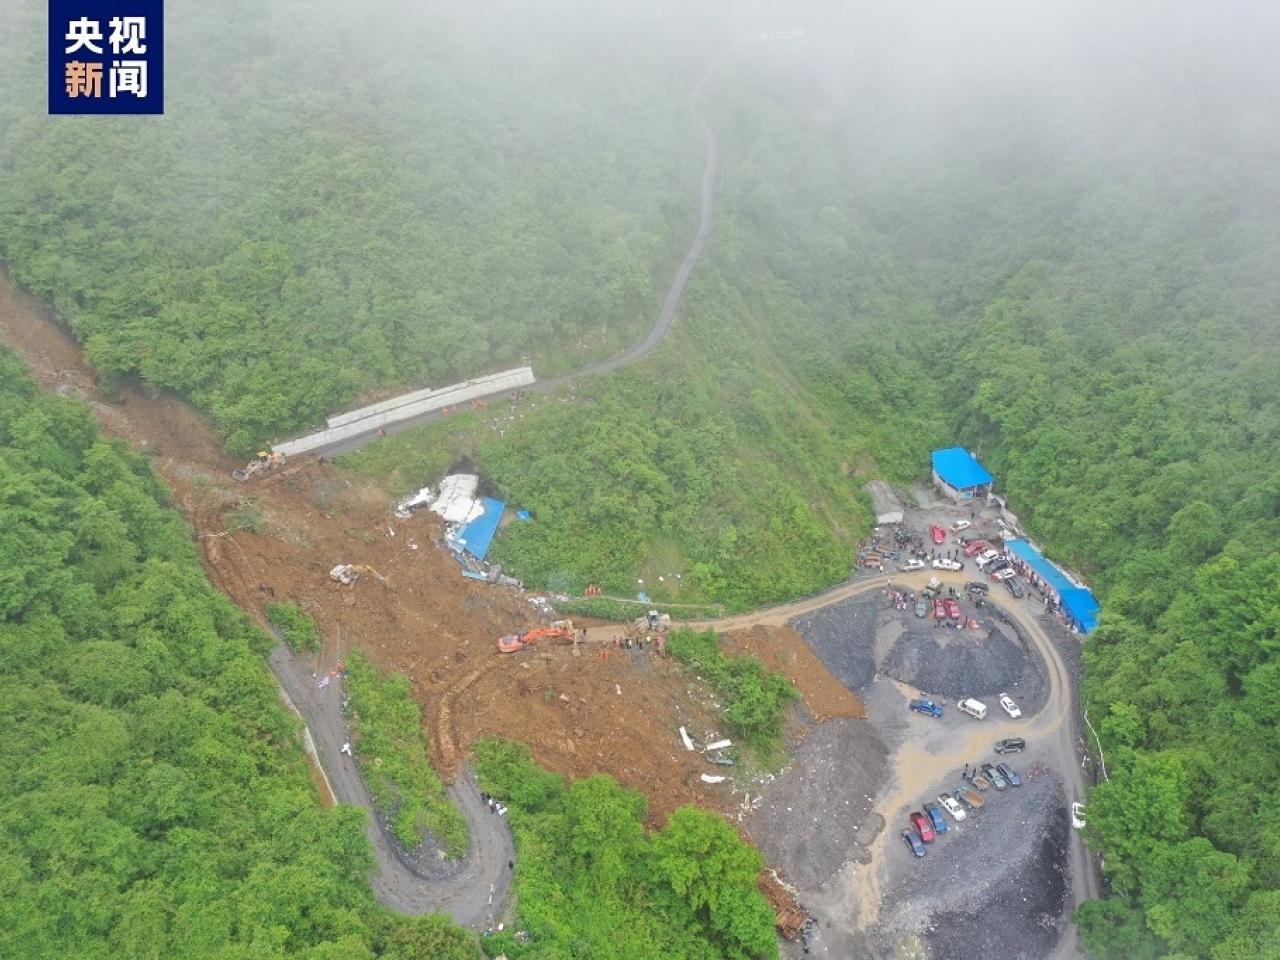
<point>1083,608</point>
<point>957,467</point>
<point>478,534</point>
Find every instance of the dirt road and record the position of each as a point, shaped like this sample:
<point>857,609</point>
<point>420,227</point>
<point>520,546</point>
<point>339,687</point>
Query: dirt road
<point>475,896</point>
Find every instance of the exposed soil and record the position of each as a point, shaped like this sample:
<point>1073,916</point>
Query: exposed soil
<point>783,650</point>
<point>427,621</point>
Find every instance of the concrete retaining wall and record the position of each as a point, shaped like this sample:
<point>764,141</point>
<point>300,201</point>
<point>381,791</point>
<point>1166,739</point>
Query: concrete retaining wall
<point>405,407</point>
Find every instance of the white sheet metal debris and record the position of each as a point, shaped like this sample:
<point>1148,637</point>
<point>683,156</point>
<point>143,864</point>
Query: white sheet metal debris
<point>684,735</point>
<point>708,778</point>
<point>719,745</point>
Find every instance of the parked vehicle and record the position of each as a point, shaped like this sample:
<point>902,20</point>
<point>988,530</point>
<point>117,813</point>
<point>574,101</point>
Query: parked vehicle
<point>932,588</point>
<point>922,826</point>
<point>946,563</point>
<point>992,774</point>
<point>975,547</point>
<point>974,586</point>
<point>987,557</point>
<point>927,707</point>
<point>1077,815</point>
<point>913,844</point>
<point>1003,574</point>
<point>974,708</point>
<point>934,813</point>
<point>1015,588</point>
<point>922,606</point>
<point>960,525</point>
<point>907,566</point>
<point>939,535</point>
<point>971,798</point>
<point>1009,774</point>
<point>1011,745</point>
<point>978,780</point>
<point>952,806</point>
<point>939,608</point>
<point>953,609</point>
<point>1009,707</point>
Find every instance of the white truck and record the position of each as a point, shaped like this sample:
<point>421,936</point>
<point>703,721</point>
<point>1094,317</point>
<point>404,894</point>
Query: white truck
<point>974,708</point>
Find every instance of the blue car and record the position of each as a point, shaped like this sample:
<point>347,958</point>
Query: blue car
<point>913,843</point>
<point>927,707</point>
<point>934,813</point>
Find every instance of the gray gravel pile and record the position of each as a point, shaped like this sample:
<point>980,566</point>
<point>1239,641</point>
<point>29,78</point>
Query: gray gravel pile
<point>843,635</point>
<point>959,663</point>
<point>996,881</point>
<point>813,817</point>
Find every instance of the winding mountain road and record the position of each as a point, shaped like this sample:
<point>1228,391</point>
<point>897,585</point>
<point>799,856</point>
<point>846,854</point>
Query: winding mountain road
<point>473,891</point>
<point>657,333</point>
<point>475,895</point>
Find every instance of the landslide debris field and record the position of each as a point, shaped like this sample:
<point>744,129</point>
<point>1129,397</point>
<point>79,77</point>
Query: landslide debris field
<point>276,538</point>
<point>828,821</point>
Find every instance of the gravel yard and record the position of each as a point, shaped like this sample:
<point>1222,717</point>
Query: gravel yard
<point>999,877</point>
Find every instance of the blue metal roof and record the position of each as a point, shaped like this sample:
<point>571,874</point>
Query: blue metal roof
<point>476,536</point>
<point>1045,570</point>
<point>1082,606</point>
<point>957,467</point>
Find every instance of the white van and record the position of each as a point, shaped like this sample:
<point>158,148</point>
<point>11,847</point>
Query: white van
<point>974,708</point>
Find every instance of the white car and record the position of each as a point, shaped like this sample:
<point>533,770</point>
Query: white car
<point>960,525</point>
<point>1077,815</point>
<point>952,807</point>
<point>1009,707</point>
<point>944,563</point>
<point>987,557</point>
<point>906,566</point>
<point>1005,574</point>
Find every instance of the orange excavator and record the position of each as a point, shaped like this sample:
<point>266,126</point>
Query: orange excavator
<point>560,630</point>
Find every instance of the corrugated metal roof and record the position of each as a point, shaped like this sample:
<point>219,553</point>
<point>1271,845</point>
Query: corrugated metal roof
<point>476,536</point>
<point>1082,606</point>
<point>1034,559</point>
<point>957,466</point>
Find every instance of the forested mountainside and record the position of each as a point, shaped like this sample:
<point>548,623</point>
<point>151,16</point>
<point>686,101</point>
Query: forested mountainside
<point>914,243</point>
<point>154,799</point>
<point>1096,244</point>
<point>339,201</point>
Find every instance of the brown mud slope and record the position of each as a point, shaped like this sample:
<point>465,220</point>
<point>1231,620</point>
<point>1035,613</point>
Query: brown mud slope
<point>278,536</point>
<point>783,650</point>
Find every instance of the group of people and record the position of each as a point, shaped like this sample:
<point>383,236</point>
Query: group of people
<point>493,805</point>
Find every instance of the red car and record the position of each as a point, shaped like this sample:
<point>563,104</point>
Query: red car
<point>939,609</point>
<point>974,548</point>
<point>953,609</point>
<point>922,826</point>
<point>939,535</point>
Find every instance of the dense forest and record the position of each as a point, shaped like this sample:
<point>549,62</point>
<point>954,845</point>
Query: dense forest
<point>154,799</point>
<point>1053,244</point>
<point>592,883</point>
<point>316,218</point>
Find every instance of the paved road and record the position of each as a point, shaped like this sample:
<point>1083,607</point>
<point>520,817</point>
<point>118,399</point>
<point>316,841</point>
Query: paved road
<point>475,894</point>
<point>661,326</point>
<point>1052,728</point>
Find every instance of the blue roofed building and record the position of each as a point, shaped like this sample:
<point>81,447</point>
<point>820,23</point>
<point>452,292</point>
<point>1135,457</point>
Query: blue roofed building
<point>1076,602</point>
<point>959,475</point>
